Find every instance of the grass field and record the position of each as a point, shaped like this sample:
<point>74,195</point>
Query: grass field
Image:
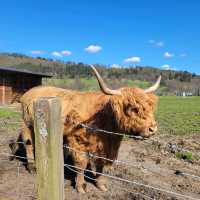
<point>10,119</point>
<point>92,84</point>
<point>179,115</point>
<point>175,115</point>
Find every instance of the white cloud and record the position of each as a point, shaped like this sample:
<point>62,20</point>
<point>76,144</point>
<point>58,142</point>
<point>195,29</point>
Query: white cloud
<point>93,49</point>
<point>37,52</point>
<point>60,54</point>
<point>57,54</point>
<point>159,44</point>
<point>183,55</point>
<point>66,52</point>
<point>151,41</point>
<point>133,59</point>
<point>156,43</point>
<point>168,55</point>
<point>168,67</point>
<point>116,66</point>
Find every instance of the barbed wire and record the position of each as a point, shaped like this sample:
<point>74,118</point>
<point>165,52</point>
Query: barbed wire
<point>134,183</point>
<point>94,179</point>
<point>124,135</point>
<point>117,178</point>
<point>8,154</point>
<point>9,122</point>
<point>110,132</point>
<point>11,142</point>
<point>128,163</point>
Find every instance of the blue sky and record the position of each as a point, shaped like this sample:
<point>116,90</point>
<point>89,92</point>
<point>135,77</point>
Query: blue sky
<point>157,33</point>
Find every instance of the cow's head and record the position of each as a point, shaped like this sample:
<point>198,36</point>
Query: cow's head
<point>133,108</point>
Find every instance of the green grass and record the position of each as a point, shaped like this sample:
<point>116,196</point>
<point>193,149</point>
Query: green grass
<point>178,115</point>
<point>136,83</point>
<point>91,84</point>
<point>7,113</point>
<point>188,156</point>
<point>57,82</point>
<point>9,119</point>
<point>175,115</point>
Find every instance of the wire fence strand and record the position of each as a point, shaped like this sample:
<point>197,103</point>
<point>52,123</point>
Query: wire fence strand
<point>134,183</point>
<point>116,161</point>
<point>22,157</point>
<point>111,133</point>
<point>129,163</point>
<point>94,179</point>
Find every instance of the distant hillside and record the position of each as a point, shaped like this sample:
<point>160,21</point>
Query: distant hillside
<point>175,81</point>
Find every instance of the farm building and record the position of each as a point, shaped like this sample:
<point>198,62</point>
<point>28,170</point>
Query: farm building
<point>15,82</point>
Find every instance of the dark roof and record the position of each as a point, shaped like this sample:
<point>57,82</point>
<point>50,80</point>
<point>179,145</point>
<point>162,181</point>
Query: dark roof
<point>22,71</point>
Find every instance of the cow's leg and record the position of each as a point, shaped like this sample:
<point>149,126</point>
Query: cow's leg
<point>81,163</point>
<point>17,147</point>
<point>100,180</point>
<point>28,136</point>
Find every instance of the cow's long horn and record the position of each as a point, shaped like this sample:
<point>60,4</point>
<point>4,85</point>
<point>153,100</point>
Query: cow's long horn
<point>154,87</point>
<point>102,84</point>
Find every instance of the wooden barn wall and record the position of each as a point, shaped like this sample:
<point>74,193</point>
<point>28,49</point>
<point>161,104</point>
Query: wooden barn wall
<point>5,89</point>
<point>2,91</point>
<point>22,83</point>
<point>13,86</point>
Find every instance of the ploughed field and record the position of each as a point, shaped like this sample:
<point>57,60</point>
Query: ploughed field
<point>169,161</point>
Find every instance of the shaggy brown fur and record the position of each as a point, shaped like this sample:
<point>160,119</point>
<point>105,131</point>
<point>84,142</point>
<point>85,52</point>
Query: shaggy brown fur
<point>132,113</point>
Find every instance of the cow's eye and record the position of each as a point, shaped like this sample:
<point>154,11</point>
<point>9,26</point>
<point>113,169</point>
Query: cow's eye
<point>134,109</point>
<point>130,109</point>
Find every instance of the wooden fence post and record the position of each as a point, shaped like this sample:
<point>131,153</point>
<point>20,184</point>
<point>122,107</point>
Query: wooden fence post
<point>49,149</point>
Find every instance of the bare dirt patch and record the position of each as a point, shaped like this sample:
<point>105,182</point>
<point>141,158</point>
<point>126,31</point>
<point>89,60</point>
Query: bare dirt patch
<point>152,162</point>
<point>168,162</point>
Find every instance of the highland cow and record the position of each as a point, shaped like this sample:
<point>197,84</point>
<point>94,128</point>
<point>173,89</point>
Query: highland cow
<point>125,110</point>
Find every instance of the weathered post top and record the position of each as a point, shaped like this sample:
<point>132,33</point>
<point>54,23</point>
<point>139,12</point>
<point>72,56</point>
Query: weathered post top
<point>48,130</point>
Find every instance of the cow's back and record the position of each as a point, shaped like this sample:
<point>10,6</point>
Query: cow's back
<point>35,93</point>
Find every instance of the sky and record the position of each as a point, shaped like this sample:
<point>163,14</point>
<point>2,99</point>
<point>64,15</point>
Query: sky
<point>159,33</point>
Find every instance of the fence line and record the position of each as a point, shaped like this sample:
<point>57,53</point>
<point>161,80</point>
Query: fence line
<point>128,163</point>
<point>48,129</point>
<point>110,132</point>
<point>8,154</point>
<point>9,122</point>
<point>11,142</point>
<point>96,130</point>
<point>134,183</point>
<point>94,179</point>
<point>113,177</point>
